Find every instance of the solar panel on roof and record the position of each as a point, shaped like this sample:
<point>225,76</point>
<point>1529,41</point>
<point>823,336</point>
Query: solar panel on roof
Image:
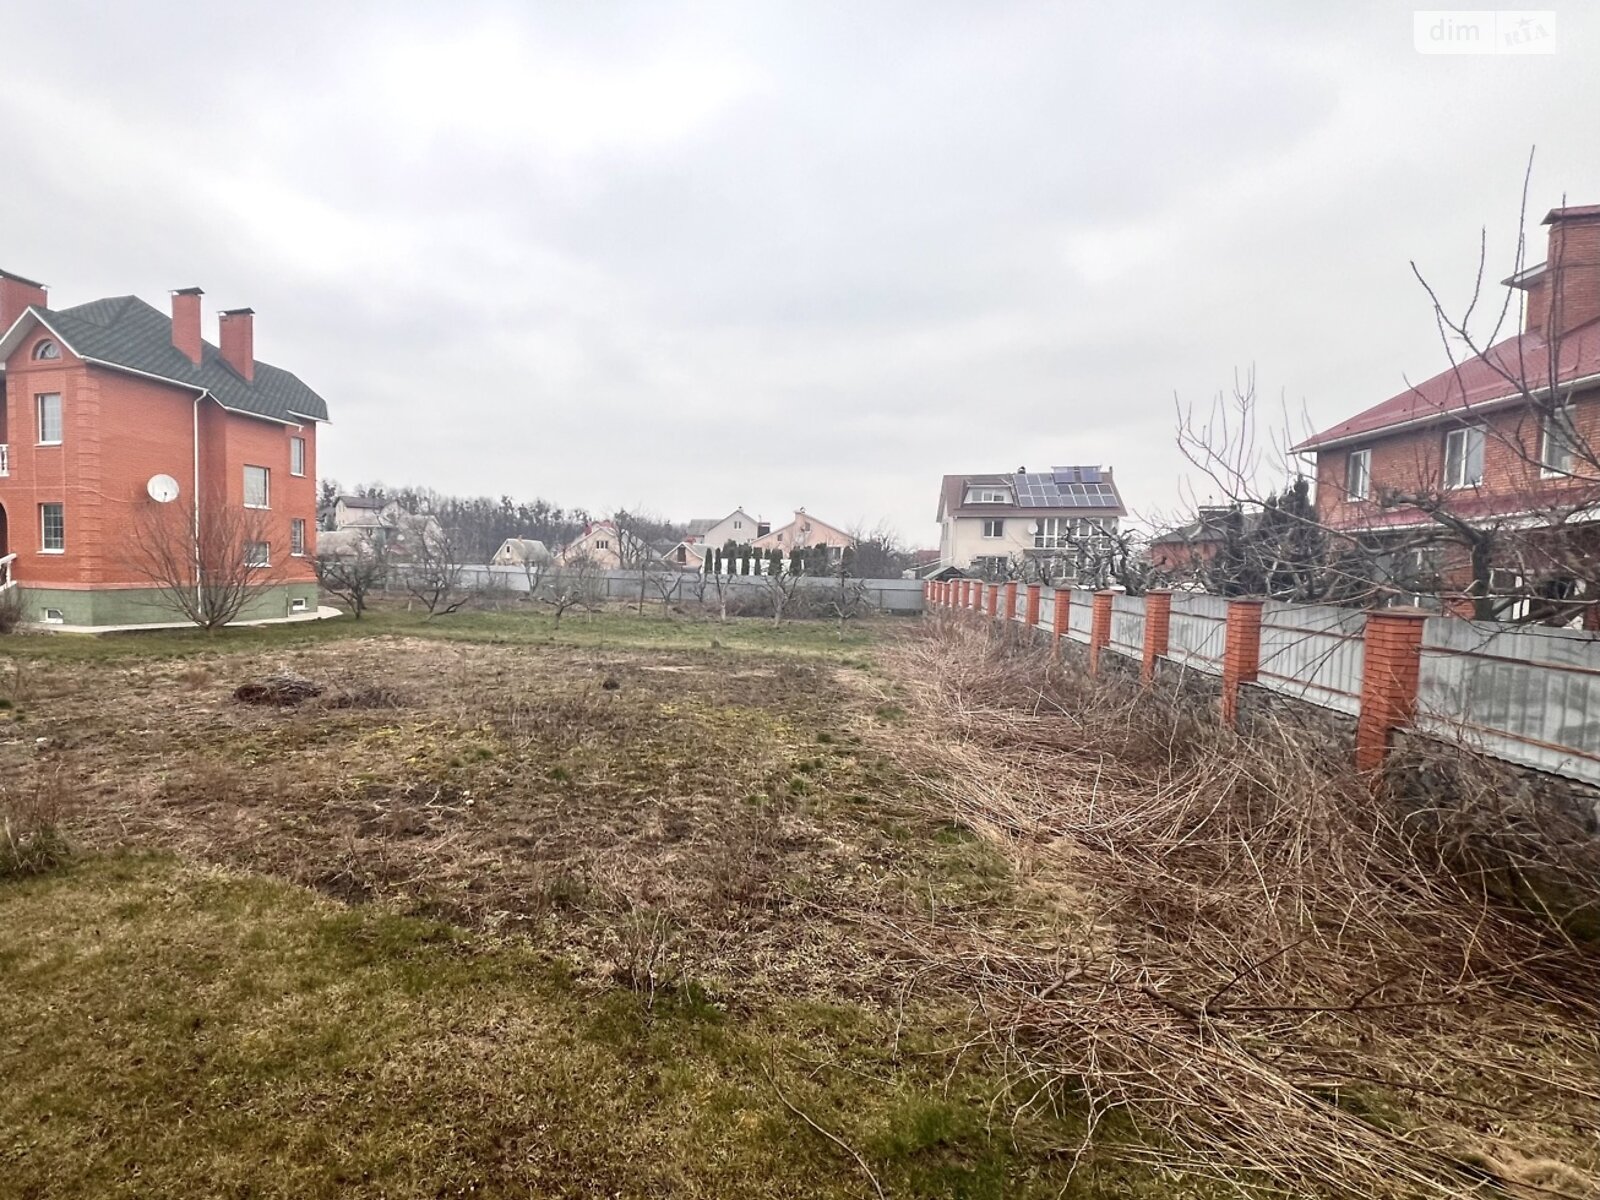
<point>1090,474</point>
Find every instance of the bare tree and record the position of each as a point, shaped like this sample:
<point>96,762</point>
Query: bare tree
<point>354,573</point>
<point>206,564</point>
<point>433,576</point>
<point>534,569</point>
<point>719,583</point>
<point>847,599</point>
<point>573,583</point>
<point>635,531</point>
<point>665,581</point>
<point>879,552</point>
<point>781,587</point>
<point>1522,548</point>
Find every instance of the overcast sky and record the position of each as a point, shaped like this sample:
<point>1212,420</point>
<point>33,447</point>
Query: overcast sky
<point>696,256</point>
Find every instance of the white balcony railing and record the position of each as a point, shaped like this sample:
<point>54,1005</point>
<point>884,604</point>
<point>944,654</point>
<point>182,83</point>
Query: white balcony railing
<point>5,459</point>
<point>6,578</point>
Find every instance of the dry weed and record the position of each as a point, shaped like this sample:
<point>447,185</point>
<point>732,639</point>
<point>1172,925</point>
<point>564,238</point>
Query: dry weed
<point>1279,972</point>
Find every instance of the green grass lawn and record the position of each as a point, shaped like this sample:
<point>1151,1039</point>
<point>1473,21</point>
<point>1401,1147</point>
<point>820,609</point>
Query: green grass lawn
<point>531,628</point>
<point>394,950</point>
<point>173,1030</point>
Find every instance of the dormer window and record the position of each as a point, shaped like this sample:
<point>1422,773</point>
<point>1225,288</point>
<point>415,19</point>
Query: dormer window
<point>984,495</point>
<point>46,351</point>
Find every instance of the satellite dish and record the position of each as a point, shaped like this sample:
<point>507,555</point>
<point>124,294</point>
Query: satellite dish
<point>163,489</point>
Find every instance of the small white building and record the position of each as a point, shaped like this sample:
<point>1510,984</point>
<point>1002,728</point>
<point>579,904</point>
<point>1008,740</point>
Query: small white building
<point>1026,522</point>
<point>517,552</point>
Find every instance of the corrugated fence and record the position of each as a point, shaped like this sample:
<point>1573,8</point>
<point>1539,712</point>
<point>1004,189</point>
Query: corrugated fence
<point>1529,695</point>
<point>1313,652</point>
<point>1197,631</point>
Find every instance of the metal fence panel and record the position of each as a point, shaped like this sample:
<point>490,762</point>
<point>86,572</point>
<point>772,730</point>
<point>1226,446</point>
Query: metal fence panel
<point>1530,695</point>
<point>885,595</point>
<point>1197,634</point>
<point>1047,609</point>
<point>1313,652</point>
<point>1127,625</point>
<point>1080,615</point>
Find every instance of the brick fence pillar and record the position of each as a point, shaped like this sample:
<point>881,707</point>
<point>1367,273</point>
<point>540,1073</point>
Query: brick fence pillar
<point>1157,624</point>
<point>1008,602</point>
<point>1391,661</point>
<point>1059,625</point>
<point>1031,614</point>
<point>1241,653</point>
<point>939,593</point>
<point>1099,629</point>
<point>994,599</point>
<point>968,599</point>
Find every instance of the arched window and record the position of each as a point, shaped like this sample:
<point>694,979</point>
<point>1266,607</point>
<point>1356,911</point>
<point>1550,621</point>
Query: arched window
<point>46,350</point>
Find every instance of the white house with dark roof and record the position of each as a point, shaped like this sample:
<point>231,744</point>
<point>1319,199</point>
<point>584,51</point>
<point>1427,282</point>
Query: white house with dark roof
<point>1005,523</point>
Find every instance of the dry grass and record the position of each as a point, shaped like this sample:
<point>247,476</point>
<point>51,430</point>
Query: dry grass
<point>564,793</point>
<point>1280,972</point>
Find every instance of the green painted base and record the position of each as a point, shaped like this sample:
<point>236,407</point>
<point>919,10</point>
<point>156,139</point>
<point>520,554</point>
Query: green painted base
<point>147,606</point>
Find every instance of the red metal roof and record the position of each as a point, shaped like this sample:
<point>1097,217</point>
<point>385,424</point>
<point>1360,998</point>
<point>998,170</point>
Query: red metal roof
<point>1476,382</point>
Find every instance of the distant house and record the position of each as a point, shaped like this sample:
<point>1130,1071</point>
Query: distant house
<point>706,534</point>
<point>804,532</point>
<point>517,552</point>
<point>1052,522</point>
<point>608,547</point>
<point>1189,547</point>
<point>361,512</point>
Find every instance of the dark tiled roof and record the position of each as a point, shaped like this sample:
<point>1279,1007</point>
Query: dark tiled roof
<point>126,332</point>
<point>1478,381</point>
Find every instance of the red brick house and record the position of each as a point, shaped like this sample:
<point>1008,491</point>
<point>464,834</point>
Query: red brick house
<point>1506,441</point>
<point>103,398</point>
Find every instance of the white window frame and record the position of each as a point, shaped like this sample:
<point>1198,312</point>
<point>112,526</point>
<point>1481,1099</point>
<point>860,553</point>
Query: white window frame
<point>1550,436</point>
<point>1455,479</point>
<point>998,524</point>
<point>266,486</point>
<point>988,495</point>
<point>1364,457</point>
<point>44,548</point>
<point>38,417</point>
<point>297,537</point>
<point>297,604</point>
<point>265,560</point>
<point>46,350</point>
<point>297,457</point>
<point>53,616</point>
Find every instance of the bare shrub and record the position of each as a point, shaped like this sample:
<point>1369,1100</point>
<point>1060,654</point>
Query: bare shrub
<point>206,565</point>
<point>31,814</point>
<point>647,955</point>
<point>1273,964</point>
<point>12,610</point>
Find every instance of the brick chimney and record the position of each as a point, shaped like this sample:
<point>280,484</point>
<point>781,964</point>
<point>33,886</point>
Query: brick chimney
<point>1564,290</point>
<point>186,321</point>
<point>16,293</point>
<point>238,339</point>
<point>1573,269</point>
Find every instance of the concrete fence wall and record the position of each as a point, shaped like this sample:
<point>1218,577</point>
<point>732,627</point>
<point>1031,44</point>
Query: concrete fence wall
<point>885,595</point>
<point>1530,696</point>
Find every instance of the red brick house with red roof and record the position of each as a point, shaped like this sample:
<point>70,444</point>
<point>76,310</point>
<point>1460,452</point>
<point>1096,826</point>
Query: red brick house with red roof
<point>1488,441</point>
<point>106,405</point>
